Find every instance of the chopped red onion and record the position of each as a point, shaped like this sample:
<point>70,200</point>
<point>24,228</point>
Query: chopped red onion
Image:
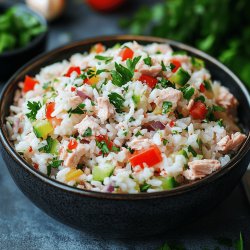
<point>82,95</point>
<point>154,125</point>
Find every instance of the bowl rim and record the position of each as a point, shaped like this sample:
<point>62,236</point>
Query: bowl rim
<point>120,196</point>
<point>36,40</point>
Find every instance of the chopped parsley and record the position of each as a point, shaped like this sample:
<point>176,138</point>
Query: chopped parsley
<point>79,166</point>
<point>78,110</point>
<point>131,150</point>
<point>144,187</point>
<point>200,98</point>
<point>33,107</point>
<point>115,149</point>
<point>165,83</point>
<point>55,163</point>
<point>102,145</point>
<point>220,123</point>
<point>165,141</point>
<point>131,119</point>
<point>148,61</point>
<point>192,151</point>
<point>187,92</point>
<point>138,133</point>
<point>179,52</point>
<point>117,100</point>
<point>122,75</point>
<point>166,107</point>
<point>107,59</point>
<point>47,148</point>
<point>88,132</point>
<point>163,66</point>
<point>218,108</point>
<point>207,85</point>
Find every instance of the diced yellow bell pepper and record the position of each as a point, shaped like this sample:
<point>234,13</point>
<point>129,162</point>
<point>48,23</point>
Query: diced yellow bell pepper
<point>73,174</point>
<point>157,111</point>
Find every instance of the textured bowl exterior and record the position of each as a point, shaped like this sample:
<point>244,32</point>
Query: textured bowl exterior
<point>125,215</point>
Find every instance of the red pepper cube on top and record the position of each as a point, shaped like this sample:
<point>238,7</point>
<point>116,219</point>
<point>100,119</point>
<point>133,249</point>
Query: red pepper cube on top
<point>126,53</point>
<point>150,156</point>
<point>29,84</point>
<point>149,80</point>
<point>50,107</point>
<point>72,69</point>
<point>176,64</point>
<point>198,111</point>
<point>72,144</point>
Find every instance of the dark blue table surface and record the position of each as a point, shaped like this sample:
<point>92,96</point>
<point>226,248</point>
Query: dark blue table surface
<point>23,226</point>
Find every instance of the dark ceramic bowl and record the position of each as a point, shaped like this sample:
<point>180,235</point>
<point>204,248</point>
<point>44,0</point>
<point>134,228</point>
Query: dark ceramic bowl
<point>125,215</point>
<point>11,60</point>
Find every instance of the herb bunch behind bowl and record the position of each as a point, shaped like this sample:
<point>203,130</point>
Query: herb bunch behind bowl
<point>220,28</point>
<point>18,28</point>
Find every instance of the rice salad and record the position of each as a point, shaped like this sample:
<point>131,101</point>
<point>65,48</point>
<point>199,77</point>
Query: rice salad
<point>127,119</point>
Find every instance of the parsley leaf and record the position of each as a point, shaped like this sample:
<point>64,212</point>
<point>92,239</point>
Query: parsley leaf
<point>88,132</point>
<point>117,100</point>
<point>138,133</point>
<point>166,107</point>
<point>47,148</point>
<point>121,75</point>
<point>148,61</point>
<point>78,110</point>
<point>144,187</point>
<point>107,59</point>
<point>102,145</point>
<point>55,163</point>
<point>33,107</point>
<point>163,66</point>
<point>132,63</point>
<point>192,151</point>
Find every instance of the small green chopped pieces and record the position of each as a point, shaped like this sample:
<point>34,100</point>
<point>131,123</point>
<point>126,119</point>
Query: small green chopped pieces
<point>166,107</point>
<point>33,107</point>
<point>148,61</point>
<point>117,100</point>
<point>144,187</point>
<point>55,163</point>
<point>88,132</point>
<point>192,151</point>
<point>107,59</point>
<point>78,110</point>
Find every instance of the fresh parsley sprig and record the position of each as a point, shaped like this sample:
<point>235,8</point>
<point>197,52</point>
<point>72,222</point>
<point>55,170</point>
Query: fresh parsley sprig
<point>117,100</point>
<point>33,107</point>
<point>78,110</point>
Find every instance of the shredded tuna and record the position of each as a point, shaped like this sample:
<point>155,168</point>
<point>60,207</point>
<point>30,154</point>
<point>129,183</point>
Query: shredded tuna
<point>226,99</point>
<point>231,143</point>
<point>74,101</point>
<point>72,159</point>
<point>138,144</point>
<point>168,94</point>
<point>200,168</point>
<point>88,122</point>
<point>104,109</point>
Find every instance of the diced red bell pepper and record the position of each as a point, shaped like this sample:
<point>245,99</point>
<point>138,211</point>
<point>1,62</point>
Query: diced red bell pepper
<point>72,69</point>
<point>50,107</point>
<point>176,64</point>
<point>99,48</point>
<point>105,138</point>
<point>202,88</point>
<point>30,149</point>
<point>29,84</point>
<point>36,166</point>
<point>55,121</point>
<point>150,156</point>
<point>126,53</point>
<point>72,144</point>
<point>172,123</point>
<point>73,89</point>
<point>198,110</point>
<point>149,80</point>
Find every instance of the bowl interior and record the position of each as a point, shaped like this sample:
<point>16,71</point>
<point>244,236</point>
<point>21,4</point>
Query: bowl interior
<point>217,70</point>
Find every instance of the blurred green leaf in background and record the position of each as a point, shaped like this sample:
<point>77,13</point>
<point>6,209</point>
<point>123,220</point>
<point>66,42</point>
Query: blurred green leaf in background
<point>220,28</point>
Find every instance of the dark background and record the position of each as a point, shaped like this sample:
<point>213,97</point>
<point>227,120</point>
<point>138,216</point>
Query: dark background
<point>23,226</point>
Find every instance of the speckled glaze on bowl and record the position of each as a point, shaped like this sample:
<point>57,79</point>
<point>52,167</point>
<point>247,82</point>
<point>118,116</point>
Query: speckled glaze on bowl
<point>11,60</point>
<point>125,215</point>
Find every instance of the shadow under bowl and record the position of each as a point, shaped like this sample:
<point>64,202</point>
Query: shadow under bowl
<point>125,215</point>
<point>11,61</point>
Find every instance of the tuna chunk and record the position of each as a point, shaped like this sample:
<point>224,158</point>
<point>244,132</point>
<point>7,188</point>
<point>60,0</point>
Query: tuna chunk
<point>104,109</point>
<point>145,69</point>
<point>75,101</point>
<point>138,144</point>
<point>88,122</point>
<point>231,143</point>
<point>168,94</point>
<point>200,168</point>
<point>226,99</point>
<point>72,159</point>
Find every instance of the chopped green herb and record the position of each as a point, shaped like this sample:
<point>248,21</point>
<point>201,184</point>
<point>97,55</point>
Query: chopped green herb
<point>144,187</point>
<point>47,148</point>
<point>78,110</point>
<point>138,133</point>
<point>33,107</point>
<point>115,149</point>
<point>148,61</point>
<point>102,145</point>
<point>207,85</point>
<point>179,52</point>
<point>79,166</point>
<point>166,107</point>
<point>220,123</point>
<point>131,119</point>
<point>55,163</point>
<point>125,133</point>
<point>117,100</point>
<point>121,75</point>
<point>184,153</point>
<point>88,132</point>
<point>171,66</point>
<point>125,89</point>
<point>218,108</point>
<point>199,143</point>
<point>187,92</point>
<point>92,103</point>
<point>132,63</point>
<point>165,141</point>
<point>192,151</point>
<point>166,83</point>
<point>107,59</point>
<point>200,98</point>
<point>163,66</point>
<point>69,151</point>
<point>47,85</point>
<point>136,99</point>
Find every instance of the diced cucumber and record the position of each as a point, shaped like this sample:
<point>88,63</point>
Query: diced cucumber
<point>197,63</point>
<point>168,183</point>
<point>180,77</point>
<point>136,99</point>
<point>54,147</point>
<point>42,128</point>
<point>101,172</point>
